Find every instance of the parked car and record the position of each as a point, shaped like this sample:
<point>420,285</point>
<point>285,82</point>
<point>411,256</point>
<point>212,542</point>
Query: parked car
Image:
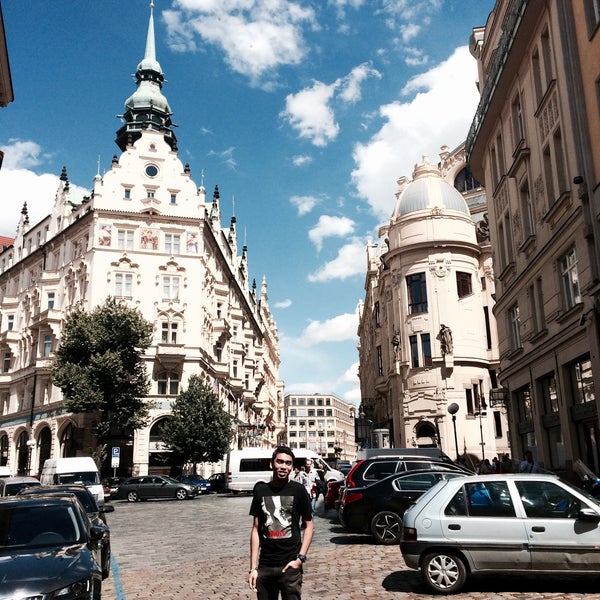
<point>333,493</point>
<point>48,549</point>
<point>112,483</point>
<point>372,469</point>
<point>11,486</point>
<point>203,484</point>
<point>500,523</point>
<point>378,508</point>
<point>218,482</point>
<point>154,486</point>
<point>96,515</point>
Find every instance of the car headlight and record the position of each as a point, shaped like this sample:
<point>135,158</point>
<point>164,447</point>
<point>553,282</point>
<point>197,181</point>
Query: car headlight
<point>78,589</point>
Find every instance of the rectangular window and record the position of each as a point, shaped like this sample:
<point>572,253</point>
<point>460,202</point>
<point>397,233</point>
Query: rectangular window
<point>592,14</point>
<point>150,194</point>
<point>6,363</point>
<point>47,345</point>
<point>125,239</point>
<point>488,328</point>
<point>169,333</point>
<point>377,315</point>
<point>123,285</point>
<point>570,279</point>
<point>379,361</point>
<point>172,243</point>
<point>582,381</point>
<point>426,349</point>
<point>463,284</point>
<point>417,293</point>
<point>414,350</point>
<point>127,193</point>
<point>515,326</point>
<point>524,406</point>
<point>527,210</point>
<point>517,121</point>
<point>173,198</point>
<point>170,288</point>
<point>51,296</point>
<point>549,395</point>
<point>469,399</point>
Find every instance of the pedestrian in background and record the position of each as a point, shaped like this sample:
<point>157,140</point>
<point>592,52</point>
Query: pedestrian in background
<point>277,547</point>
<point>528,465</point>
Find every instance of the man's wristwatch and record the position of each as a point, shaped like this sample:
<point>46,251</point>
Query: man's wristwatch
<point>302,558</point>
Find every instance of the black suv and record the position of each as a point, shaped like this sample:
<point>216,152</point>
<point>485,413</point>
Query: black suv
<point>375,468</point>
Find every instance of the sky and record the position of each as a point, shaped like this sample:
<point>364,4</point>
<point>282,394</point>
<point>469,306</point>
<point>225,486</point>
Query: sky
<point>304,113</point>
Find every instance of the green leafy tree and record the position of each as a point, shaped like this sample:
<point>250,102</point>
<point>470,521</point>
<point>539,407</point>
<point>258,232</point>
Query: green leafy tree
<point>199,430</point>
<point>99,365</point>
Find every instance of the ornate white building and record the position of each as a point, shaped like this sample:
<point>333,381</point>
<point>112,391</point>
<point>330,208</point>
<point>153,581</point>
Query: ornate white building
<point>146,235</point>
<point>428,343</point>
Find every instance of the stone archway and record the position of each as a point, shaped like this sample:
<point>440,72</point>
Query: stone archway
<point>160,460</point>
<point>3,450</point>
<point>23,450</point>
<point>44,447</point>
<point>427,435</point>
<point>68,445</point>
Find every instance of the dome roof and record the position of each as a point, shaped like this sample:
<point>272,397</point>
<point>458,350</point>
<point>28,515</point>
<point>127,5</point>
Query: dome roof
<point>427,191</point>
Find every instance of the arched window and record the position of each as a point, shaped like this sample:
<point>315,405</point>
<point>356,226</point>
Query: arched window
<point>3,450</point>
<point>44,447</point>
<point>22,453</point>
<point>168,383</point>
<point>67,441</point>
<point>160,458</point>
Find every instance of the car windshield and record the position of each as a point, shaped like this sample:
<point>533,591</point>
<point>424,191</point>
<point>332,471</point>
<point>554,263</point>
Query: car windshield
<point>85,477</point>
<point>33,526</point>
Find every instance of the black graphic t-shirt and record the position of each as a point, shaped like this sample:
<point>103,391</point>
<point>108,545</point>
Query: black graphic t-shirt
<point>279,511</point>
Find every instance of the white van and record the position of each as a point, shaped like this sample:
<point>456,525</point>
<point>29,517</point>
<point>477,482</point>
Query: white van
<point>73,470</point>
<point>246,467</point>
<point>5,472</point>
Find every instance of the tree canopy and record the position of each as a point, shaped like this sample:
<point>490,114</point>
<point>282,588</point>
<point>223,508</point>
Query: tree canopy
<point>99,365</point>
<point>198,430</point>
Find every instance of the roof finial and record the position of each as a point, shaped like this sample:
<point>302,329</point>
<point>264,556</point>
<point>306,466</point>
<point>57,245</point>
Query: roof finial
<point>150,43</point>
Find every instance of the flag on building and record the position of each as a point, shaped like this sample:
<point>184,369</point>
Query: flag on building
<point>216,386</point>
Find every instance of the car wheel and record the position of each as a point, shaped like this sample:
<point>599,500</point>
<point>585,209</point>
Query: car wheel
<point>181,494</point>
<point>386,527</point>
<point>105,561</point>
<point>443,573</point>
<point>132,497</point>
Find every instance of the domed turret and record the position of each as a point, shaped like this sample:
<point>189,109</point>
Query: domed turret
<point>428,191</point>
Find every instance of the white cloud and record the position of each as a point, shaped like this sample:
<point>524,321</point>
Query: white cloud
<point>304,204</point>
<point>226,156</point>
<point>301,160</point>
<point>351,84</point>
<point>337,329</point>
<point>351,374</point>
<point>350,261</point>
<point>255,36</point>
<point>409,32</point>
<point>283,303</point>
<point>330,227</point>
<point>308,112</point>
<point>439,112</point>
<point>21,154</point>
<point>409,10</point>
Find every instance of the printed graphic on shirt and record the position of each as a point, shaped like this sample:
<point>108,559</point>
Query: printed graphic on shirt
<point>278,516</point>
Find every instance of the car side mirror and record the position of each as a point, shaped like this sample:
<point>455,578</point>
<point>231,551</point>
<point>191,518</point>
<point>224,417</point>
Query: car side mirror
<point>588,514</point>
<point>108,508</point>
<point>97,533</point>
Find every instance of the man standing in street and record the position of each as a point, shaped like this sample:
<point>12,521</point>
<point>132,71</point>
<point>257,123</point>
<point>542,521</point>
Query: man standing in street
<point>528,465</point>
<point>277,548</point>
<point>308,478</point>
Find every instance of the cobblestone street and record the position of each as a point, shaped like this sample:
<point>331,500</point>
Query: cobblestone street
<point>199,549</point>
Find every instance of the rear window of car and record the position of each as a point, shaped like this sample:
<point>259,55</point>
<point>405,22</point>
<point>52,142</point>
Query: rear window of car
<point>380,469</point>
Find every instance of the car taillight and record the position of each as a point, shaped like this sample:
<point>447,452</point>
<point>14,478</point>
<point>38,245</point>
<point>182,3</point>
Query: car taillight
<point>409,534</point>
<point>350,498</point>
<point>349,481</point>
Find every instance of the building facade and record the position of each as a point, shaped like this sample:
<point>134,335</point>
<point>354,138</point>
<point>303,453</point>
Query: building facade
<point>148,236</point>
<point>322,423</point>
<point>428,343</point>
<point>534,142</point>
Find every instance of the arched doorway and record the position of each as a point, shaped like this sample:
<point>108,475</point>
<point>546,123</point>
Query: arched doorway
<point>427,435</point>
<point>3,450</point>
<point>67,441</point>
<point>22,453</point>
<point>160,460</point>
<point>44,447</point>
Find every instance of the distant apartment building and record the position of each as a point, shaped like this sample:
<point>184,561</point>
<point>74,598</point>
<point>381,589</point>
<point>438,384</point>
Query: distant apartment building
<point>322,423</point>
<point>428,344</point>
<point>534,143</point>
<point>148,236</point>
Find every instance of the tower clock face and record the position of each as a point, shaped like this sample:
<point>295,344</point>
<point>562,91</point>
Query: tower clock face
<point>151,170</point>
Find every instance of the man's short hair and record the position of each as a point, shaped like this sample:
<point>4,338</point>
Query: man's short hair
<point>283,450</point>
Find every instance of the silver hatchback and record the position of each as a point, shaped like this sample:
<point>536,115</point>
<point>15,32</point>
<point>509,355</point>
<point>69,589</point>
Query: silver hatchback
<point>493,523</point>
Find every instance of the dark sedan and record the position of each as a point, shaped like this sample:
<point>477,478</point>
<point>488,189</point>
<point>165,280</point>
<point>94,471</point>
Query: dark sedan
<point>218,482</point>
<point>202,484</point>
<point>378,508</point>
<point>48,549</point>
<point>96,515</point>
<point>145,487</point>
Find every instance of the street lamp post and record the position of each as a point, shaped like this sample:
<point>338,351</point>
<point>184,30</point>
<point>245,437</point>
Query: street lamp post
<point>481,410</point>
<point>453,409</point>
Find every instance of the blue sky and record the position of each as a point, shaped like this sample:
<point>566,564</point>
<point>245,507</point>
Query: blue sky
<point>304,113</point>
